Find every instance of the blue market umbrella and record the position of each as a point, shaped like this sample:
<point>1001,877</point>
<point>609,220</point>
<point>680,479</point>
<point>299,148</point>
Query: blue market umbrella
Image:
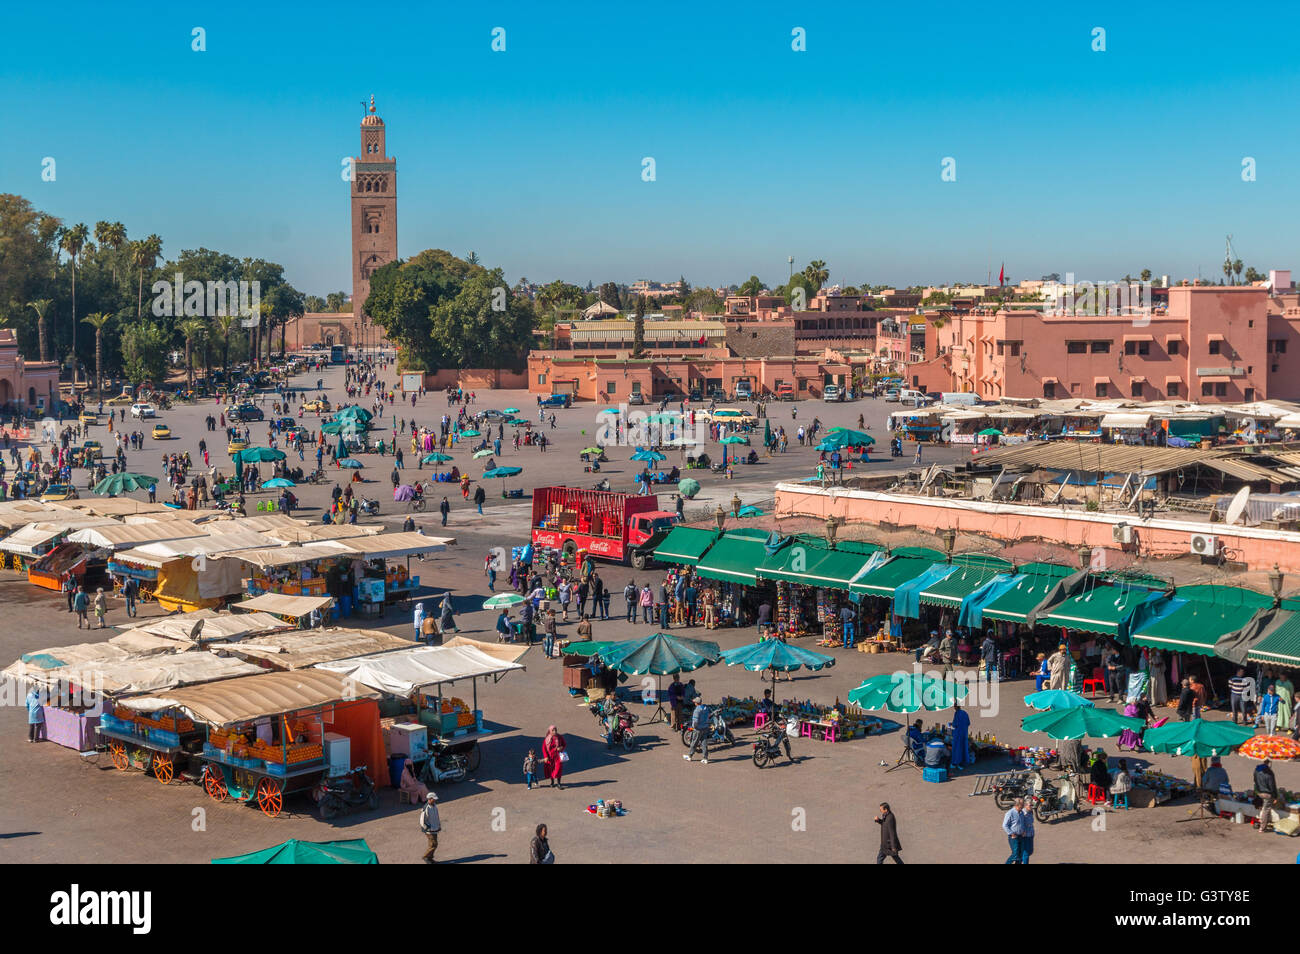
<point>660,654</point>
<point>774,655</point>
<point>511,410</point>
<point>351,463</point>
<point>1057,699</point>
<point>275,483</point>
<point>649,456</point>
<point>252,455</point>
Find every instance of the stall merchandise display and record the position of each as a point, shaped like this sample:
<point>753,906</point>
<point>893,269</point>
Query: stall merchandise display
<point>285,584</point>
<point>1164,787</point>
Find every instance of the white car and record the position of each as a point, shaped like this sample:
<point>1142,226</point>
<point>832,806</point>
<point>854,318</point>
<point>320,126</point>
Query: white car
<point>143,410</point>
<point>831,393</point>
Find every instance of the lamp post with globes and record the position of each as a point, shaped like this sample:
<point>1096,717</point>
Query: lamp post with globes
<point>1275,584</point>
<point>720,518</point>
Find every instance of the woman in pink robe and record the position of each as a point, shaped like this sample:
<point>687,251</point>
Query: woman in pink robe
<point>552,746</point>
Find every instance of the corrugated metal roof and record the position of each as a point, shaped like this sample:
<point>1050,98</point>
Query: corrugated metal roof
<point>1107,458</point>
<point>1244,470</point>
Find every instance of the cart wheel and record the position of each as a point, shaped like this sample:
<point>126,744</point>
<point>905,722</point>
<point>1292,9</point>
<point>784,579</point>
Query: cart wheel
<point>473,757</point>
<point>117,751</point>
<point>270,796</point>
<point>214,783</point>
<point>163,768</point>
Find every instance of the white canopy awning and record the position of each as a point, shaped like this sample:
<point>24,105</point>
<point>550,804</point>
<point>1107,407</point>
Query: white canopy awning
<point>282,605</point>
<point>405,672</point>
<point>133,534</point>
<point>1126,419</point>
<point>263,557</point>
<point>396,545</point>
<point>216,626</point>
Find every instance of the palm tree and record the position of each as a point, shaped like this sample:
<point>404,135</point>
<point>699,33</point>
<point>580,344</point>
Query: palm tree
<point>72,241</point>
<point>472,258</point>
<point>192,328</point>
<point>144,254</point>
<point>111,235</point>
<point>1237,266</point>
<point>224,324</point>
<point>97,321</point>
<point>41,306</point>
<point>817,273</point>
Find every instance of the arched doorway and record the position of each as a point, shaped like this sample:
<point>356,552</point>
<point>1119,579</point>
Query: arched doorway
<point>6,391</point>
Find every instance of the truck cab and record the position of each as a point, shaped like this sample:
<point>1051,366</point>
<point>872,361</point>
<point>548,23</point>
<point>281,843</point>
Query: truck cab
<point>618,527</point>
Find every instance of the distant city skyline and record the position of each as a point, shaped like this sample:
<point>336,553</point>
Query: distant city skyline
<point>1066,159</point>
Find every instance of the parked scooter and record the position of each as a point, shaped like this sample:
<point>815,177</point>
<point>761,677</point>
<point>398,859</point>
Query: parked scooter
<point>368,506</point>
<point>342,793</point>
<point>719,732</point>
<point>1054,797</point>
<point>770,744</point>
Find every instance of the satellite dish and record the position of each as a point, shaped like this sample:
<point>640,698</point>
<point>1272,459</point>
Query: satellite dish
<point>195,630</point>
<point>1238,506</point>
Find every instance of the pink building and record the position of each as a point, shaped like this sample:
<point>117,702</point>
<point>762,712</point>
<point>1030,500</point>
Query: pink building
<point>1211,344</point>
<point>23,383</point>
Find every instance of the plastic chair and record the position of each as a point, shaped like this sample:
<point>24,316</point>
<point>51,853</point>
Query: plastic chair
<point>1097,682</point>
<point>1096,795</point>
<point>1117,797</point>
<point>760,719</point>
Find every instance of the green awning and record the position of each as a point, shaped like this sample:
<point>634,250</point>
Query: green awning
<point>1280,647</point>
<point>797,563</point>
<point>1195,626</point>
<point>1097,609</point>
<point>294,852</point>
<point>958,585</point>
<point>1032,586</point>
<point>883,580</point>
<point>685,545</point>
<point>733,557</point>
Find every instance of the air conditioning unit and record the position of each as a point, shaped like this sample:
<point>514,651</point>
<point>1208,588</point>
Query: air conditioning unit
<point>1122,533</point>
<point>1204,544</point>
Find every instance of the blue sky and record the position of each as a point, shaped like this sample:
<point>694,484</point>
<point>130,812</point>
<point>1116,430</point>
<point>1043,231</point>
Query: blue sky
<point>1066,159</point>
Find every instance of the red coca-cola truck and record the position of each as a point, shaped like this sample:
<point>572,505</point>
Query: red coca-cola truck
<point>622,528</point>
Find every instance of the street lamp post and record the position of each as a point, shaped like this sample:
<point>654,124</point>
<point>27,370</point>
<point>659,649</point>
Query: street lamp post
<point>949,537</point>
<point>720,517</point>
<point>1275,584</point>
<point>832,527</point>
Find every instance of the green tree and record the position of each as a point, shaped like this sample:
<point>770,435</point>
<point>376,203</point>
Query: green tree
<point>337,301</point>
<point>224,326</point>
<point>1145,275</point>
<point>1236,271</point>
<point>751,286</point>
<point>97,321</point>
<point>609,294</point>
<point>144,255</point>
<point>73,241</point>
<point>144,351</point>
<point>817,273</point>
<point>1254,276</point>
<point>638,328</point>
<point>799,280</point>
<point>193,329</point>
<point>111,235</point>
<point>471,258</point>
<point>313,303</point>
<point>41,306</point>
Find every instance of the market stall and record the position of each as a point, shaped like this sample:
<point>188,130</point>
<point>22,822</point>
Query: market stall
<point>296,610</point>
<point>302,650</point>
<point>269,736</point>
<point>812,586</point>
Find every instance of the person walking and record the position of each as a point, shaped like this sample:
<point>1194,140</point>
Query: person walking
<point>1266,789</point>
<point>479,497</point>
<point>600,599</point>
<point>890,846</point>
<point>1011,827</point>
<point>1268,708</point>
<point>35,714</point>
<point>417,620</point>
<point>647,603</point>
<point>101,607</point>
<point>630,594</point>
<point>548,643</point>
<point>446,621</point>
<point>80,605</point>
<point>1026,832</point>
<point>431,825</point>
<point>692,597</point>
<point>564,592</point>
<point>131,592</point>
<point>700,723</point>
<point>554,757</point>
<point>444,508</point>
<point>539,850</point>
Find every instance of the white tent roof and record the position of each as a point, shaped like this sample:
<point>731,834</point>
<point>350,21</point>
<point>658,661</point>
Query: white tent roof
<point>1126,419</point>
<point>125,535</point>
<point>26,539</point>
<point>151,673</point>
<point>396,544</point>
<point>289,555</point>
<point>221,540</point>
<point>405,672</point>
<point>283,605</point>
<point>216,626</point>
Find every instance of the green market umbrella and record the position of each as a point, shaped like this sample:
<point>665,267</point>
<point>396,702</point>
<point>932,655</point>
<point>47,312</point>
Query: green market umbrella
<point>351,463</point>
<point>688,487</point>
<point>252,455</point>
<point>437,457</point>
<point>355,411</point>
<point>749,512</point>
<point>115,484</point>
<point>775,656</point>
<point>663,419</point>
<point>331,428</point>
<point>502,600</point>
<point>275,483</point>
<point>519,422</point>
<point>1057,699</point>
<point>990,432</point>
<point>1076,722</point>
<point>660,654</point>
<point>485,452</point>
<point>587,647</point>
<point>470,433</point>
<point>592,450</point>
<point>734,439</point>
<point>354,851</point>
<point>648,456</point>
<point>503,473</point>
<point>907,692</point>
<point>847,436</point>
<point>1197,737</point>
<point>511,410</point>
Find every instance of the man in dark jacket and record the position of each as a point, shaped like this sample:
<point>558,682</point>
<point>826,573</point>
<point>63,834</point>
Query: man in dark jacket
<point>598,595</point>
<point>1186,700</point>
<point>890,846</point>
<point>444,508</point>
<point>1266,789</point>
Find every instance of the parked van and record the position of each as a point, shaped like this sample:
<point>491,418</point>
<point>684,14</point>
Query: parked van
<point>911,398</point>
<point>743,391</point>
<point>967,398</point>
<point>831,393</point>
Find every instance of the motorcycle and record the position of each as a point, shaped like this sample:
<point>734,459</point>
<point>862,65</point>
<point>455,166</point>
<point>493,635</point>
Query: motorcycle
<point>1008,788</point>
<point>1049,800</point>
<point>342,793</point>
<point>444,767</point>
<point>622,733</point>
<point>770,744</point>
<point>719,732</point>
<point>368,506</point>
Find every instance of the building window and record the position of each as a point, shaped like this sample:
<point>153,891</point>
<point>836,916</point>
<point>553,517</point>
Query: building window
<point>541,379</point>
<point>1207,389</point>
<point>1137,389</point>
<point>1221,390</point>
<point>1076,347</point>
<point>1103,390</point>
<point>1049,390</point>
<point>1137,347</point>
<point>1214,347</point>
<point>1173,348</point>
<point>612,388</point>
<point>1101,347</point>
<point>1173,388</point>
<point>1250,395</point>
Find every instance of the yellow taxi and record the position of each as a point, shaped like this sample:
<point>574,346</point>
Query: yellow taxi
<point>313,407</point>
<point>123,398</point>
<point>235,447</point>
<point>88,417</point>
<point>56,492</point>
<point>161,432</point>
<point>92,450</point>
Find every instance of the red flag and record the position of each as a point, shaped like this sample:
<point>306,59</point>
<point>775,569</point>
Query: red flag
<point>1002,274</point>
<point>701,342</point>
